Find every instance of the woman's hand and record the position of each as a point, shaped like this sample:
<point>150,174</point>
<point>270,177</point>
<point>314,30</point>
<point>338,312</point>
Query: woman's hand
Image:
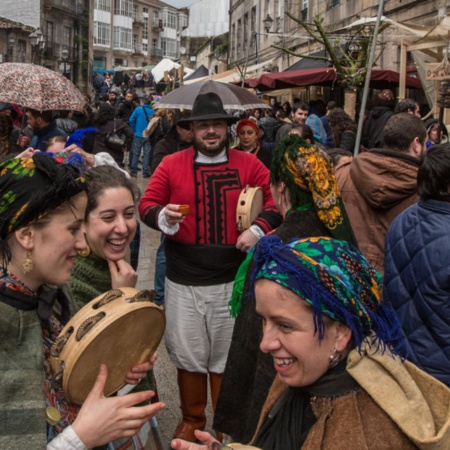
<point>122,274</point>
<point>28,153</point>
<point>88,157</point>
<point>140,371</point>
<point>102,420</point>
<point>202,436</point>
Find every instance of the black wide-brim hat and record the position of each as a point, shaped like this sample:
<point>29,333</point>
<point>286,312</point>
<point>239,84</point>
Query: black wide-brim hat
<point>208,106</point>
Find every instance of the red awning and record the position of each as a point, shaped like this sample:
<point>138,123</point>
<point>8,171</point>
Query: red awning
<point>380,79</point>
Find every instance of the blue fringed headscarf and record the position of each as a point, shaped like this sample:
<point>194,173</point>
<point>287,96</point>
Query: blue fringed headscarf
<point>78,136</point>
<point>336,280</point>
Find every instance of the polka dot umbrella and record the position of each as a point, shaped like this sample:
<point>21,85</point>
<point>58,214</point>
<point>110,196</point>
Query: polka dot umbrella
<point>39,88</point>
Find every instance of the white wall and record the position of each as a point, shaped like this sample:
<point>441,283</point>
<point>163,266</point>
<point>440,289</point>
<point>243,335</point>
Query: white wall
<point>208,18</point>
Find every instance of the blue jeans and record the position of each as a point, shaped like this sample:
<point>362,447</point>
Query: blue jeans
<point>160,272</point>
<point>135,153</point>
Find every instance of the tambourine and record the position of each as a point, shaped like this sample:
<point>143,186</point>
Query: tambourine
<point>250,204</point>
<point>120,328</point>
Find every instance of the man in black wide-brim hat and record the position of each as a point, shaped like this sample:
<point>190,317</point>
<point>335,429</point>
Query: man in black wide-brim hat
<point>203,249</point>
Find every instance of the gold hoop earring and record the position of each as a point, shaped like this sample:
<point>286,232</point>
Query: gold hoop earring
<point>85,252</point>
<point>27,263</point>
<point>334,359</point>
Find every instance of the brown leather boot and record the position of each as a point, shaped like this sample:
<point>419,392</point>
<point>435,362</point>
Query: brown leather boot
<point>214,381</point>
<point>194,397</point>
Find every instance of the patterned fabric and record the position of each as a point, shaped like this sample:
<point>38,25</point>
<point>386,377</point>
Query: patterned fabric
<point>32,187</point>
<point>336,280</point>
<point>38,88</point>
<point>309,176</point>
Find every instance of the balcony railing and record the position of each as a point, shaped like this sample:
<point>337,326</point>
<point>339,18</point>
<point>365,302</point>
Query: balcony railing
<point>156,52</point>
<point>157,25</point>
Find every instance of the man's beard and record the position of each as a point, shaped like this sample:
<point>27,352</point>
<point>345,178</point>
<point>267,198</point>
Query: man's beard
<point>210,150</point>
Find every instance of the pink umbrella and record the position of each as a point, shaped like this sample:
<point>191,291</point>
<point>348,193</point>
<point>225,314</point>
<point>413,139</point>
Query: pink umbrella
<point>36,87</point>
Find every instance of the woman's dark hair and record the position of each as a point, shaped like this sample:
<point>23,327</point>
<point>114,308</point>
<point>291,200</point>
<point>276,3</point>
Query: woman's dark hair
<point>433,177</point>
<point>6,129</point>
<point>100,178</point>
<point>340,121</point>
<point>305,132</point>
<point>105,113</point>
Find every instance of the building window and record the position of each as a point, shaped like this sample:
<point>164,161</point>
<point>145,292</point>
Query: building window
<point>102,32</point>
<point>145,28</point>
<point>334,3</point>
<point>21,50</point>
<point>123,7</point>
<point>49,42</point>
<point>135,13</point>
<point>103,5</point>
<point>122,38</point>
<point>169,47</point>
<point>145,47</point>
<point>182,22</point>
<point>155,19</point>
<point>169,19</point>
<point>66,38</point>
<point>154,43</point>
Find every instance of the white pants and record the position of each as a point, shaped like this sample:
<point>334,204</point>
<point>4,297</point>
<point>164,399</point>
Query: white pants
<point>199,326</point>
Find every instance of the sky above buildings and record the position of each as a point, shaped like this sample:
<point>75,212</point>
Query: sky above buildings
<point>179,3</point>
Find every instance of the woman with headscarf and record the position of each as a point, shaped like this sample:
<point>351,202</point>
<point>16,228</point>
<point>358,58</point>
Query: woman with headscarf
<point>340,383</point>
<point>248,139</point>
<point>304,189</point>
<point>42,204</point>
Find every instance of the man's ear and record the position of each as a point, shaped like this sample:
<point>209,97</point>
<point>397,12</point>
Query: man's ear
<point>25,237</point>
<point>343,336</point>
<point>416,147</point>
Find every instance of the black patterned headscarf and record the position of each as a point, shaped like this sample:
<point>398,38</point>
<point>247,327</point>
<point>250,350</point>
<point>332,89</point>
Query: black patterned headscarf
<point>30,188</point>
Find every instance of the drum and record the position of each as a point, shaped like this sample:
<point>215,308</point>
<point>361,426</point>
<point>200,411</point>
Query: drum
<point>121,328</point>
<point>250,204</point>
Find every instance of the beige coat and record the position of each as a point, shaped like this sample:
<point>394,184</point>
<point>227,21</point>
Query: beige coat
<point>399,407</point>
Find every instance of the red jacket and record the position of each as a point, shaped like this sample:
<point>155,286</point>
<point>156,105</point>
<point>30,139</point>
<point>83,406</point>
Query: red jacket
<point>212,193</point>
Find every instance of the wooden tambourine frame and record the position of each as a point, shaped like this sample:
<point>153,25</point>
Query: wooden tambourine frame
<point>121,328</point>
<point>250,204</point>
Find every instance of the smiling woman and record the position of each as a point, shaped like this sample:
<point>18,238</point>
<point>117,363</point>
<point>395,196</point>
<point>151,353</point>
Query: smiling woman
<point>42,205</point>
<point>334,345</point>
<point>110,225</point>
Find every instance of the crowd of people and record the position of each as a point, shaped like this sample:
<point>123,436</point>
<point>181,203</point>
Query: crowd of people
<point>323,324</point>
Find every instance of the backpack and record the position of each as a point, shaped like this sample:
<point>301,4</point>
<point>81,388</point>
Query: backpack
<point>151,127</point>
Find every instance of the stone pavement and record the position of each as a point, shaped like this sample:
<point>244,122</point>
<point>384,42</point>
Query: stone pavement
<point>165,371</point>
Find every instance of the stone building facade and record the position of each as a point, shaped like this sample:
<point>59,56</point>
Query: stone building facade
<point>251,44</point>
<point>136,33</point>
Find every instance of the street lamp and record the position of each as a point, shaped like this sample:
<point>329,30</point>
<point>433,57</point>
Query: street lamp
<point>64,56</point>
<point>268,21</point>
<point>37,42</point>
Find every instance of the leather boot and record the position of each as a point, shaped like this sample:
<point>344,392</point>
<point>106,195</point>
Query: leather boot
<point>194,398</point>
<point>214,381</point>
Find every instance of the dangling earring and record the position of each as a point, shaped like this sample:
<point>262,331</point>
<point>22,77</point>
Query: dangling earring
<point>85,252</point>
<point>334,359</point>
<point>27,263</point>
